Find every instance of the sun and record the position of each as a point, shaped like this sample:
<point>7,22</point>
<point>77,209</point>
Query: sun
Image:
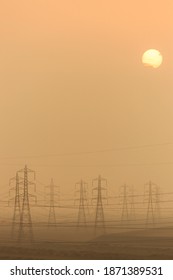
<point>152,58</point>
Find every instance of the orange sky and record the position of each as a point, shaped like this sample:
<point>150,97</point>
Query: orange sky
<point>72,81</point>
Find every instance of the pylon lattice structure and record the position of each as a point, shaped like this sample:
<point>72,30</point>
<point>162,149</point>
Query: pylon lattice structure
<point>25,229</point>
<point>132,205</point>
<point>124,197</point>
<point>52,194</point>
<point>81,188</point>
<point>99,198</point>
<point>158,204</point>
<point>151,196</point>
<point>17,206</point>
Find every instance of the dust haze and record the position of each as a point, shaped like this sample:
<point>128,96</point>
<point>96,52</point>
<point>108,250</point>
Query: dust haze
<point>77,104</point>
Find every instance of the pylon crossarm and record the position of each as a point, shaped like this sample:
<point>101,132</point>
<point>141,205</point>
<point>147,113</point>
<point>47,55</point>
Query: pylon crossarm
<point>14,179</point>
<point>28,171</point>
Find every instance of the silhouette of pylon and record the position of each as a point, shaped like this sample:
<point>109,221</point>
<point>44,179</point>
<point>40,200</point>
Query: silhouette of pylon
<point>132,205</point>
<point>81,189</point>
<point>99,216</point>
<point>25,229</point>
<point>124,195</point>
<point>52,194</point>
<point>158,204</point>
<point>17,207</point>
<point>151,197</point>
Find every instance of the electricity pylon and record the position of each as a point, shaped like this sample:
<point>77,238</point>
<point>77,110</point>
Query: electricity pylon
<point>124,193</point>
<point>17,207</point>
<point>82,190</point>
<point>158,204</point>
<point>52,194</point>
<point>25,229</point>
<point>132,205</point>
<point>99,216</point>
<point>151,198</point>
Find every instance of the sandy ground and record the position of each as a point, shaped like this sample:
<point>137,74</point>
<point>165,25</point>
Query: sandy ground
<point>145,244</point>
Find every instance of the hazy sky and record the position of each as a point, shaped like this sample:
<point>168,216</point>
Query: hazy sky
<point>72,81</point>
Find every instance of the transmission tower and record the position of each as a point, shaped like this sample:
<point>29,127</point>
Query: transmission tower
<point>132,205</point>
<point>82,190</point>
<point>25,229</point>
<point>158,204</point>
<point>151,196</point>
<point>98,191</point>
<point>17,207</point>
<point>124,193</point>
<point>52,194</point>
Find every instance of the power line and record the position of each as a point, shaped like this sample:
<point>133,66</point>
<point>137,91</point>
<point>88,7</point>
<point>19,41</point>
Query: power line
<point>136,147</point>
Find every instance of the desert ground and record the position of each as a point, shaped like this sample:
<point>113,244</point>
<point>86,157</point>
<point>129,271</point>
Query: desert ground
<point>141,244</point>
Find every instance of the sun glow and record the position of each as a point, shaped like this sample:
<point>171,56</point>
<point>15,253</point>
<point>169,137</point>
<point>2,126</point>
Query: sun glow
<point>152,58</point>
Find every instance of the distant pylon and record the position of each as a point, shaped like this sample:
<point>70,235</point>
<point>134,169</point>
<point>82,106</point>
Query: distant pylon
<point>82,189</point>
<point>17,207</point>
<point>153,209</point>
<point>124,193</point>
<point>158,204</point>
<point>52,194</point>
<point>132,205</point>
<point>25,230</point>
<point>99,216</point>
